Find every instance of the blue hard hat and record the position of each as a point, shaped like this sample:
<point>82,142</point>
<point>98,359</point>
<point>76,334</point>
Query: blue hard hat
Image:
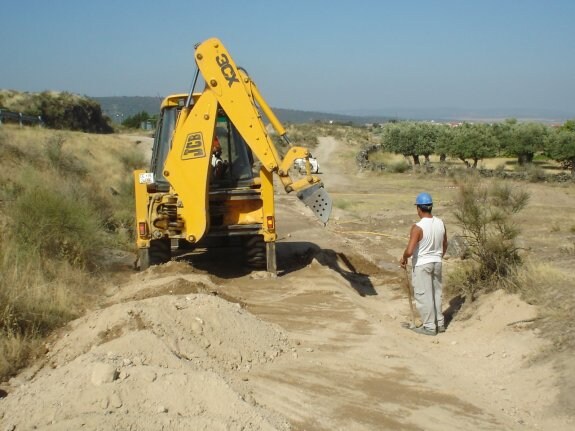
<point>423,199</point>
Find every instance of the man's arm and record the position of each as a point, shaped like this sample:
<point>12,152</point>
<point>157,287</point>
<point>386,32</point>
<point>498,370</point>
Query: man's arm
<point>415,236</point>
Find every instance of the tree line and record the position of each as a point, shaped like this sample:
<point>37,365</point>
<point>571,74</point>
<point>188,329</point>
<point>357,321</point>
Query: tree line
<point>471,143</point>
<point>137,119</point>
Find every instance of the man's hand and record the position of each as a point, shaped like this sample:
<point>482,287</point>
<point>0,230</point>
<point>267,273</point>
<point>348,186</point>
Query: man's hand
<point>415,235</point>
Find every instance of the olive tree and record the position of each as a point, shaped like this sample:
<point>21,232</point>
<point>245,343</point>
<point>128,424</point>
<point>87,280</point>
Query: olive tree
<point>525,140</point>
<point>410,139</point>
<point>502,133</point>
<point>426,139</point>
<point>468,142</point>
<point>561,147</point>
<point>444,141</point>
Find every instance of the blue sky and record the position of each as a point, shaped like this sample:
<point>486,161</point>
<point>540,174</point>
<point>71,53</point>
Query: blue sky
<point>330,56</point>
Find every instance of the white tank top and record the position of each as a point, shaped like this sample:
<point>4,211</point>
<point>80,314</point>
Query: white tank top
<point>430,248</point>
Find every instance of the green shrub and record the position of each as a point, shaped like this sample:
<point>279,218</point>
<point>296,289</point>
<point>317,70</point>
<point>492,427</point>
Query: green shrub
<point>398,167</point>
<point>56,218</point>
<point>485,213</point>
<point>136,120</point>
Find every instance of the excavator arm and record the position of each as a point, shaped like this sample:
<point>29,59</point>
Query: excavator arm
<point>231,88</point>
<point>240,98</point>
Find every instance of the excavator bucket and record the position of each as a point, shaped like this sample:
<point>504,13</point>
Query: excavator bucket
<point>317,198</point>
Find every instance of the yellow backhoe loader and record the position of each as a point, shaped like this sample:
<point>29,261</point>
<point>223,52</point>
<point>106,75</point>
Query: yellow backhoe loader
<point>211,173</point>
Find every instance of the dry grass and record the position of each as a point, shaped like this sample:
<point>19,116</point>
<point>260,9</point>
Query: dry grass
<point>535,279</point>
<point>64,196</point>
<point>551,289</point>
<point>386,158</point>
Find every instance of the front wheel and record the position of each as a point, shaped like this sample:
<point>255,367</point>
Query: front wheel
<point>143,261</point>
<point>159,251</point>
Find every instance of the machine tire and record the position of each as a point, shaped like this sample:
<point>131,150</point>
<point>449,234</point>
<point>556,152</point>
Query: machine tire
<point>255,252</point>
<point>160,251</point>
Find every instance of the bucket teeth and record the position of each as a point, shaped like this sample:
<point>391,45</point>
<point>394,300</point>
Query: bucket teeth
<point>317,198</point>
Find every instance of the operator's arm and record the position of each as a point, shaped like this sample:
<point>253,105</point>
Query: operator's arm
<point>415,236</point>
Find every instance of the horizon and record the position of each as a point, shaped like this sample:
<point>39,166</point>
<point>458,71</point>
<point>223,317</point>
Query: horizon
<point>325,57</point>
<point>444,114</point>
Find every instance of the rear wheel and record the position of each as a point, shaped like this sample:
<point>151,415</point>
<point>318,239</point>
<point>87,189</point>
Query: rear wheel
<point>255,252</point>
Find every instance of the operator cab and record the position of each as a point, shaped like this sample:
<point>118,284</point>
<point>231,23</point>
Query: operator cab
<point>235,153</point>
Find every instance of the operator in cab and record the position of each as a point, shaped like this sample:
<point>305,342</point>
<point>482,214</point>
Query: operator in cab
<point>219,166</point>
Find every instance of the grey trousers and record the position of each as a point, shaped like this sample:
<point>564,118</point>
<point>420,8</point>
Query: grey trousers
<point>426,281</point>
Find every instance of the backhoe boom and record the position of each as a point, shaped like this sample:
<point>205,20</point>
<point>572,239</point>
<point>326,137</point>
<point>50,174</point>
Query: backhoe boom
<point>192,193</point>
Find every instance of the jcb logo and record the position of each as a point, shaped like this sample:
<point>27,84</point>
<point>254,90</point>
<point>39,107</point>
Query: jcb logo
<point>194,148</point>
<point>227,69</point>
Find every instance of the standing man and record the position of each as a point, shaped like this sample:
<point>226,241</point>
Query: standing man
<point>427,244</point>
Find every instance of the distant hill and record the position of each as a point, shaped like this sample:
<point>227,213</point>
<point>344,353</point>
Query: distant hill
<point>471,114</point>
<point>120,108</point>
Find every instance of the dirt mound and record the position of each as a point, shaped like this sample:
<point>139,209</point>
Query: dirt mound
<point>166,362</point>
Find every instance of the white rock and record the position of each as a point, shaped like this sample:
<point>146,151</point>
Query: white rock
<point>103,373</point>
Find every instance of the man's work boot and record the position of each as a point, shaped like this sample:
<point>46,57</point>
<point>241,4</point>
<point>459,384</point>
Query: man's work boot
<point>423,330</point>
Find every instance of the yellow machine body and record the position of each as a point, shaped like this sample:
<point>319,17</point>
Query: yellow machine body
<point>203,182</point>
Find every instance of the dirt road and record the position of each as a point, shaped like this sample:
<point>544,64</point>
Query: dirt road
<point>209,346</point>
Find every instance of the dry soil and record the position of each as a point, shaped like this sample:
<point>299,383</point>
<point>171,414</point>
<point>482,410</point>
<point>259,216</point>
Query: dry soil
<point>202,344</point>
